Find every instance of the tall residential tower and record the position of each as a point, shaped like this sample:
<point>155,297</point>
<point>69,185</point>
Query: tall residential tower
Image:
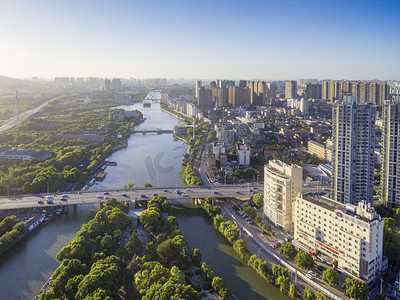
<point>353,130</point>
<point>390,175</point>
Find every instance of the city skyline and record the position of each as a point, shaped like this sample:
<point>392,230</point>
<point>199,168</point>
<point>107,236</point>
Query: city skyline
<point>259,40</point>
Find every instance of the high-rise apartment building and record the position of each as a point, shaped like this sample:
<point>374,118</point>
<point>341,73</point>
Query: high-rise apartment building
<point>258,92</point>
<point>282,183</point>
<point>271,91</point>
<point>205,97</point>
<point>238,96</point>
<point>290,89</point>
<point>353,130</point>
<point>390,174</point>
<point>314,91</point>
<point>199,84</point>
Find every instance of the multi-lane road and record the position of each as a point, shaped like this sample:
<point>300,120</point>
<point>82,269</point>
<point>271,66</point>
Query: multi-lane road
<point>14,122</point>
<point>96,196</point>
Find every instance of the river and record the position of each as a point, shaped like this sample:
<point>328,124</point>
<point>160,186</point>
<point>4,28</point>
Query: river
<point>148,158</point>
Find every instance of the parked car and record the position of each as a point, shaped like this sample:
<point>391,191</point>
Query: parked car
<point>275,245</point>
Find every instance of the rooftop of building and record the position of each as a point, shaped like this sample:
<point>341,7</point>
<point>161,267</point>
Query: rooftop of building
<point>364,211</point>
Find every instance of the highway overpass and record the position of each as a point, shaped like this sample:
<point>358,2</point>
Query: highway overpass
<point>99,196</point>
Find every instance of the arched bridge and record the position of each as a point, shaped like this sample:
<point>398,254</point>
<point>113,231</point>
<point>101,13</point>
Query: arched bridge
<point>99,196</point>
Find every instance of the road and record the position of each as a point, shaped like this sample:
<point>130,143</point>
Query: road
<point>14,122</point>
<point>86,197</point>
<point>203,166</point>
<point>267,241</point>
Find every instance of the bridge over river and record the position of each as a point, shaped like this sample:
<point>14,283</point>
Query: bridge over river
<point>99,196</point>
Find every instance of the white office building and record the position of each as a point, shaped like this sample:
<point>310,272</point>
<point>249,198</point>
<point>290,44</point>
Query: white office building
<point>347,235</point>
<point>282,183</point>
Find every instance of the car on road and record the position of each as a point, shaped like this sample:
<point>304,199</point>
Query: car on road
<point>64,195</point>
<point>106,197</point>
<point>40,202</point>
<point>99,197</point>
<point>275,245</point>
<point>185,195</point>
<point>106,193</point>
<point>321,268</point>
<point>155,195</point>
<point>165,190</point>
<point>217,193</point>
<point>187,189</point>
<point>143,196</point>
<point>49,201</point>
<point>237,192</point>
<point>64,199</point>
<point>124,195</point>
<point>312,273</point>
<point>309,276</point>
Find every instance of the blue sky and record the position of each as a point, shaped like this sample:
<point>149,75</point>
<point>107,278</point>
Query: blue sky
<point>201,39</point>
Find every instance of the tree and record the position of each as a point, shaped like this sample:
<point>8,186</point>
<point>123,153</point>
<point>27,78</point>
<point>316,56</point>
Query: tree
<point>331,277</point>
<point>196,257</point>
<point>220,288</point>
<point>149,217</point>
<point>308,294</point>
<point>304,260</point>
<point>284,283</point>
<point>319,296</point>
<point>292,291</point>
<point>147,185</point>
<point>249,211</point>
<point>258,200</point>
<point>288,250</point>
<point>355,289</point>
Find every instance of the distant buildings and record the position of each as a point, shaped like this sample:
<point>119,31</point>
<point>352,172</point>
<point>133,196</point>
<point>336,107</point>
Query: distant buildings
<point>390,172</point>
<point>365,91</point>
<point>353,127</point>
<point>225,92</point>
<point>282,183</point>
<point>313,91</point>
<point>291,89</point>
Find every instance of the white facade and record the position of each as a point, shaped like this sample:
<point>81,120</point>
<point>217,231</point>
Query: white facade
<point>353,128</point>
<point>351,236</point>
<point>243,154</point>
<point>282,183</point>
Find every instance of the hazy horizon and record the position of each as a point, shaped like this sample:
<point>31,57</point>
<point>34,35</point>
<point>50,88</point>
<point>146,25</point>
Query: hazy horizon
<point>354,40</point>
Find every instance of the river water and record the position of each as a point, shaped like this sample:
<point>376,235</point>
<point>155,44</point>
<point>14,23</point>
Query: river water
<point>148,158</point>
